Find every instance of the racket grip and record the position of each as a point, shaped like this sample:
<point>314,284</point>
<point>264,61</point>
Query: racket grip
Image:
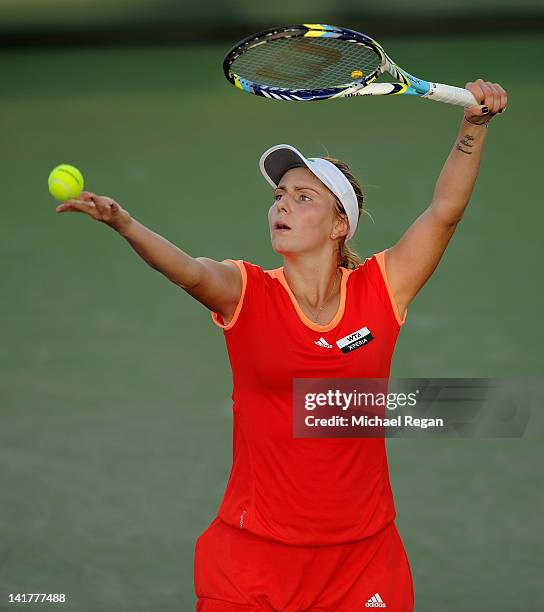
<point>450,95</point>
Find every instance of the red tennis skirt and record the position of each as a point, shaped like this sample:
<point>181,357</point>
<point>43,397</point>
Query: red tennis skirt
<point>236,570</point>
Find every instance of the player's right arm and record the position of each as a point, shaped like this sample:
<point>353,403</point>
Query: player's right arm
<point>217,285</point>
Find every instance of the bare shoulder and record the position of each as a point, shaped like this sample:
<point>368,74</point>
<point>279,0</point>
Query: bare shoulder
<point>226,267</point>
<point>220,285</point>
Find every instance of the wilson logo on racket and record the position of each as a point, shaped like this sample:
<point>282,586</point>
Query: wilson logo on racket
<point>314,61</point>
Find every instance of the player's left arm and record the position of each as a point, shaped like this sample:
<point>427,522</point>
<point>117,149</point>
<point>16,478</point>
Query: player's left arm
<point>412,260</point>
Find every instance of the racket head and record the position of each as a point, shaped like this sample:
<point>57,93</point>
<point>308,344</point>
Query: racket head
<point>304,62</point>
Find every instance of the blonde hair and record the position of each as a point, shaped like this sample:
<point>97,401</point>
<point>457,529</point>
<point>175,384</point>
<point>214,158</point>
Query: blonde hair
<point>347,257</point>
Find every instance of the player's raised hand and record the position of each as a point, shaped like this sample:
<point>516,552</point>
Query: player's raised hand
<point>491,98</point>
<point>100,208</point>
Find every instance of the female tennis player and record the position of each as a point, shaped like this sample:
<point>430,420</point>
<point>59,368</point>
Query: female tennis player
<point>308,523</point>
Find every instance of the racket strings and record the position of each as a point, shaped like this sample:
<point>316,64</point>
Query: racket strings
<point>306,63</point>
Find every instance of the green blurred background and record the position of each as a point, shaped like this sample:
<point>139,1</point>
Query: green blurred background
<point>115,430</point>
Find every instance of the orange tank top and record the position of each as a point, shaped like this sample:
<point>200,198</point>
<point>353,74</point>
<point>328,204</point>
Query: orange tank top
<point>296,490</point>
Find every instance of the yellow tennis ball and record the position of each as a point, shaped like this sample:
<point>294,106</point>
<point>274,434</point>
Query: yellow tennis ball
<point>65,182</point>
<point>357,74</point>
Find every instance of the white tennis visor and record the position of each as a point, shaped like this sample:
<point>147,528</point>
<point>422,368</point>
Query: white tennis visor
<point>275,162</point>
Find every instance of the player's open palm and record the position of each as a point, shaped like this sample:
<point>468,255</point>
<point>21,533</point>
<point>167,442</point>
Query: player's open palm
<point>100,208</point>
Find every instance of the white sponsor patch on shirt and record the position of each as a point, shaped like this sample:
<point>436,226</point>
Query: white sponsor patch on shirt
<point>355,340</point>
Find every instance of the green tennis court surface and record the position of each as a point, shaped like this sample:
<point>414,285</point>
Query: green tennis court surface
<point>115,426</point>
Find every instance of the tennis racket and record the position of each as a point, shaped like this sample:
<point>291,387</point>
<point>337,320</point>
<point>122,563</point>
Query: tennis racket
<point>313,61</point>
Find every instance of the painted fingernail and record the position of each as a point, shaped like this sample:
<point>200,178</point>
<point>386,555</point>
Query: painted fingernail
<point>485,110</point>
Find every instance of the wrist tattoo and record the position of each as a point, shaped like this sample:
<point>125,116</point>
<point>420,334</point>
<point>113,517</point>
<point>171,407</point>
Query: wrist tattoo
<point>465,143</point>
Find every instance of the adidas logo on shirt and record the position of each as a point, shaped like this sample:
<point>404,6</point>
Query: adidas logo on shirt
<point>322,342</point>
<point>375,602</point>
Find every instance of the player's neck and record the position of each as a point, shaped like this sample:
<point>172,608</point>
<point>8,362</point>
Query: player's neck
<point>313,282</point>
